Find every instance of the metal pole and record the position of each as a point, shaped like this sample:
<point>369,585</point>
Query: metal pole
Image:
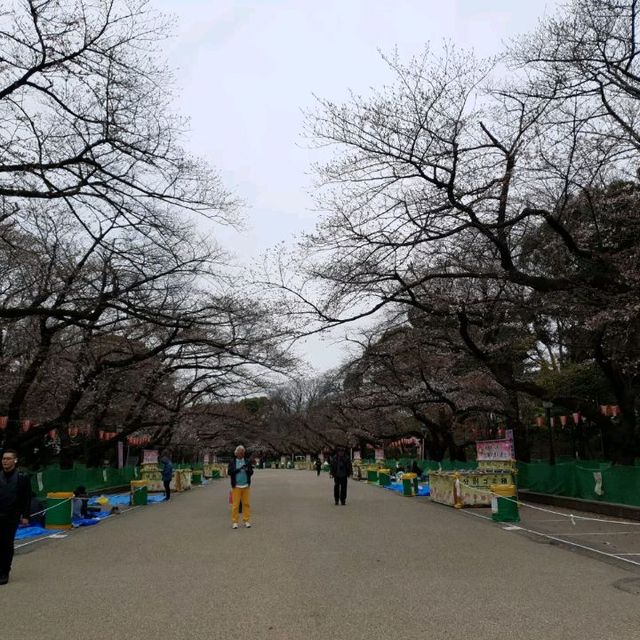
<point>547,412</point>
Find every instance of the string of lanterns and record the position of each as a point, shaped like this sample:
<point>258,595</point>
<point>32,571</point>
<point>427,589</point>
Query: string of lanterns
<point>609,410</point>
<point>73,431</point>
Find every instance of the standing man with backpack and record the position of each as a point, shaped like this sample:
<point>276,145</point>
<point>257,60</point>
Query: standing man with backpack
<point>341,469</point>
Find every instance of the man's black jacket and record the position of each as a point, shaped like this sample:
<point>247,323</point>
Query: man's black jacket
<point>15,494</point>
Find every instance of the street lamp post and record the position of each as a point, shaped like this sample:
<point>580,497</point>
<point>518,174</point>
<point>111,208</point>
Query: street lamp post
<point>424,435</point>
<point>547,415</point>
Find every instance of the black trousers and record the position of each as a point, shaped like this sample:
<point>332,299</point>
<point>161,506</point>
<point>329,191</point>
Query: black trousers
<point>8,528</point>
<point>167,489</point>
<point>318,470</point>
<point>340,490</point>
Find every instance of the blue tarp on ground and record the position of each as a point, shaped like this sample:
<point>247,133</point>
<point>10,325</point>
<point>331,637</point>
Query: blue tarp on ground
<point>423,489</point>
<point>87,522</point>
<point>122,499</point>
<point>114,499</point>
<point>34,532</point>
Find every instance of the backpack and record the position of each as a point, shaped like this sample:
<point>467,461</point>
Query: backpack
<point>342,468</point>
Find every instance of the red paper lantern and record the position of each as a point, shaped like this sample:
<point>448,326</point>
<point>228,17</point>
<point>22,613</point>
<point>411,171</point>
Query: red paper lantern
<point>563,420</point>
<point>576,417</point>
<point>615,410</point>
<point>4,421</point>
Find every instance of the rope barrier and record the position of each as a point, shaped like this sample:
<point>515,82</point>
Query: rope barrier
<point>571,516</point>
<point>55,506</point>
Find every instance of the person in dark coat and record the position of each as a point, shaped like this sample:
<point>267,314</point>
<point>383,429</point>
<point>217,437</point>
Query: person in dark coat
<point>341,469</point>
<point>318,465</point>
<point>167,474</point>
<point>15,505</point>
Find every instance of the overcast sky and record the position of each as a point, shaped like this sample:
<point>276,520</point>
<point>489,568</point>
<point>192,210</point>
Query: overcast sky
<point>247,69</point>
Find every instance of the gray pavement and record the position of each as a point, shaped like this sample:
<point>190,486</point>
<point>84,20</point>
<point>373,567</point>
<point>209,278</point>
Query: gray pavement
<point>382,566</point>
<point>608,539</point>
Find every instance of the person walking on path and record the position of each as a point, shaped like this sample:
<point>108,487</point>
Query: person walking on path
<point>341,469</point>
<point>318,465</point>
<point>240,472</point>
<point>15,505</point>
<point>167,474</point>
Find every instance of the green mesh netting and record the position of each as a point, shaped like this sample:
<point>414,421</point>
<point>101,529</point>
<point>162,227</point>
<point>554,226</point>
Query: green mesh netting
<point>619,485</point>
<point>53,478</point>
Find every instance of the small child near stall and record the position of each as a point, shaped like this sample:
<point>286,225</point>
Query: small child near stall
<point>81,507</point>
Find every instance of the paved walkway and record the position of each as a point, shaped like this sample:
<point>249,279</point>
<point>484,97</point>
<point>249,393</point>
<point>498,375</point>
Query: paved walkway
<point>383,566</point>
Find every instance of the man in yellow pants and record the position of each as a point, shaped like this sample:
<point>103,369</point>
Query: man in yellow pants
<point>240,472</point>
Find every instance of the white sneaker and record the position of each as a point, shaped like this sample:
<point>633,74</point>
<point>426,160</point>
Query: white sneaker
<point>234,525</point>
<point>247,525</point>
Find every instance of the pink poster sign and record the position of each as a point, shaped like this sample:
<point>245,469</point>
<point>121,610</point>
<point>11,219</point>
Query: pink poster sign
<point>495,450</point>
<point>149,456</point>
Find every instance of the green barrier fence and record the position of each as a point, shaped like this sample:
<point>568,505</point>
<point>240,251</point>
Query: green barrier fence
<point>53,478</point>
<point>620,484</point>
<point>425,465</point>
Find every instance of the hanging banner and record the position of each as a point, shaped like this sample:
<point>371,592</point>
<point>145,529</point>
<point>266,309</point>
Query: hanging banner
<point>149,456</point>
<point>597,476</point>
<point>356,455</point>
<point>495,450</point>
<point>206,458</point>
<point>379,454</point>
